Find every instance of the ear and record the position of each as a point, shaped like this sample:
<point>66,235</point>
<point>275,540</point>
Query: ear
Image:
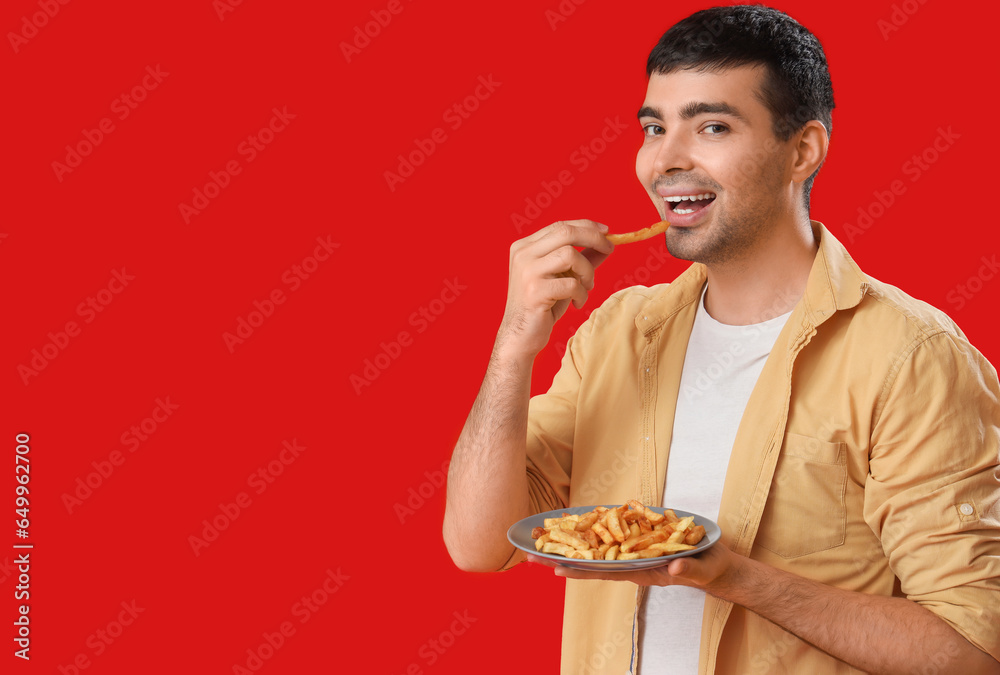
<point>811,144</point>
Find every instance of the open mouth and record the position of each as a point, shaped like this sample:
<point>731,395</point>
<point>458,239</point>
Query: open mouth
<point>685,204</point>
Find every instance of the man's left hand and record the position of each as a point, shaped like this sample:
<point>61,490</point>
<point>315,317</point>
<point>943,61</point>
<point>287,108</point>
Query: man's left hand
<point>713,570</point>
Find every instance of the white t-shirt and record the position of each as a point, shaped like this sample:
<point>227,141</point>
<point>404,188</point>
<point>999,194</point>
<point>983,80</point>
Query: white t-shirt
<point>721,367</point>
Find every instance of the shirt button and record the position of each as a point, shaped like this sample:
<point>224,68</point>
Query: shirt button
<point>966,509</point>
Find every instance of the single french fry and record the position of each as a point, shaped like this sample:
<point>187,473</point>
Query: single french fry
<point>670,516</point>
<point>537,532</point>
<point>628,556</point>
<point>541,541</point>
<point>627,545</point>
<point>668,547</point>
<point>593,541</point>
<point>587,521</point>
<point>676,538</point>
<point>641,541</point>
<point>638,235</point>
<point>615,526</point>
<point>636,509</point>
<point>684,524</point>
<point>553,547</point>
<point>648,539</point>
<point>652,516</point>
<point>634,530</point>
<point>650,553</point>
<point>603,533</point>
<point>612,553</point>
<point>694,535</point>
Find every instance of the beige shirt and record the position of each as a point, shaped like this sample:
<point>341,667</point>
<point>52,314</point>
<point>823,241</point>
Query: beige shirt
<point>867,459</point>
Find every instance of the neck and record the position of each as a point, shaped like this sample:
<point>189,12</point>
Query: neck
<point>766,283</point>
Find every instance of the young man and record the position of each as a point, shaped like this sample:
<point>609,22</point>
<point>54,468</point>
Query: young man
<point>848,447</point>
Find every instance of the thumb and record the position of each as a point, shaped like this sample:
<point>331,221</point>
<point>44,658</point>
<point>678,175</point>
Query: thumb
<point>678,568</point>
<point>690,570</point>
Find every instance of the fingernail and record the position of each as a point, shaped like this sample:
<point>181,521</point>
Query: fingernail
<point>602,227</point>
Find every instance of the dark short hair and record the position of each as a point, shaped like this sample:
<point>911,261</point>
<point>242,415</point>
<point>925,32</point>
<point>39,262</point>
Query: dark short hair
<point>797,86</point>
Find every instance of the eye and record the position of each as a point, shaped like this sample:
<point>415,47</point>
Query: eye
<point>652,130</point>
<point>716,129</point>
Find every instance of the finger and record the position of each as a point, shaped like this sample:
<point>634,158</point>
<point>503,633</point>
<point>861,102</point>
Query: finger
<point>538,560</point>
<point>639,577</point>
<point>548,230</point>
<point>569,572</point>
<point>567,261</point>
<point>557,289</point>
<point>572,289</point>
<point>680,568</point>
<point>698,570</point>
<point>689,572</point>
<point>552,295</point>
<point>582,233</point>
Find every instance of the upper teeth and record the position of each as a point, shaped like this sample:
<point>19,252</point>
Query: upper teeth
<point>680,198</point>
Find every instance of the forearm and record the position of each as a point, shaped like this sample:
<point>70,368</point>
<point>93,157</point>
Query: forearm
<point>876,634</point>
<point>487,479</point>
<point>487,483</point>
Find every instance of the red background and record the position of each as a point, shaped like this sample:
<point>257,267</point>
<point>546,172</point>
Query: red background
<point>161,337</point>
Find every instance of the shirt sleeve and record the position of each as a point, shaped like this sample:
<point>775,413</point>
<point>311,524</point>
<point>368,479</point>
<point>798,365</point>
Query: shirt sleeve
<point>552,416</point>
<point>933,490</point>
<point>551,425</point>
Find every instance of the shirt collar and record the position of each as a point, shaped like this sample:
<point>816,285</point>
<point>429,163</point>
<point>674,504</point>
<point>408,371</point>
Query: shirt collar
<point>835,283</point>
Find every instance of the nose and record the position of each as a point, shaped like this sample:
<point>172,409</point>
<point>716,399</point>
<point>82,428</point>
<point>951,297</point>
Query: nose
<point>672,153</point>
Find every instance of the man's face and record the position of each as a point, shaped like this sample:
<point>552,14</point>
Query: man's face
<point>708,136</point>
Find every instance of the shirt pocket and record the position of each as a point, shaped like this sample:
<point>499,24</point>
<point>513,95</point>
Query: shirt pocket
<point>806,509</point>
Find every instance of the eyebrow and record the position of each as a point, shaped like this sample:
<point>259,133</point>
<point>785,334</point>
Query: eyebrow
<point>694,109</point>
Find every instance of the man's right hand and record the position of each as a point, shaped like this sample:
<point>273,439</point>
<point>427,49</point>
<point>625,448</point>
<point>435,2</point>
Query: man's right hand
<point>546,274</point>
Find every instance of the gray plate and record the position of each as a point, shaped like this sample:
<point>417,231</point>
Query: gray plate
<point>519,534</point>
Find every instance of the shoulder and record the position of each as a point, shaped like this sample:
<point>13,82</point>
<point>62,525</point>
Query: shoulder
<point>927,349</point>
<point>635,297</point>
<point>914,330</point>
<point>915,319</point>
<point>625,305</point>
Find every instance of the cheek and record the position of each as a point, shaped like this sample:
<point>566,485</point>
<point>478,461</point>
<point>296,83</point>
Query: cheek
<point>757,170</point>
<point>737,175</point>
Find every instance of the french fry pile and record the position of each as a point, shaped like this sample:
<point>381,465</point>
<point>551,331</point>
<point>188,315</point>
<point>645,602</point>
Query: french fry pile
<point>628,532</point>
